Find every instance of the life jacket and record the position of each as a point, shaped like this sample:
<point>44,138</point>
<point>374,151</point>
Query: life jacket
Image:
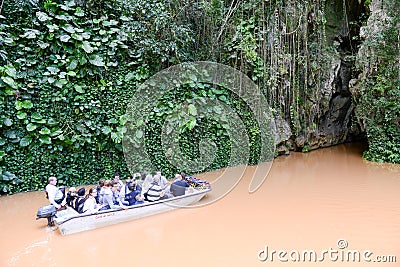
<point>79,203</point>
<point>80,200</point>
<point>128,195</point>
<point>131,197</point>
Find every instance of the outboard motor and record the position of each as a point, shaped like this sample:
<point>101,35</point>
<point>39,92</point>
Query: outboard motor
<point>47,212</point>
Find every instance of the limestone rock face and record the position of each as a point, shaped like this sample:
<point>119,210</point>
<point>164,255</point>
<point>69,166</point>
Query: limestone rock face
<point>282,134</point>
<point>335,119</point>
<point>367,60</point>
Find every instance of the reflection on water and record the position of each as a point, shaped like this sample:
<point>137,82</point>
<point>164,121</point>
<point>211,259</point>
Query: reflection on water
<point>308,202</point>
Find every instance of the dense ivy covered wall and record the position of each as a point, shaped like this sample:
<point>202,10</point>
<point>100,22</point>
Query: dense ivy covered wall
<point>378,89</point>
<point>68,70</point>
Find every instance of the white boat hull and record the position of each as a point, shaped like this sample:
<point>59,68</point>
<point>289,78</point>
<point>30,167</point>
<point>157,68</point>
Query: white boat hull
<point>71,222</point>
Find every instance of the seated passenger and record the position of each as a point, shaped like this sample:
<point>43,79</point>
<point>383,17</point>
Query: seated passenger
<point>117,197</point>
<point>71,196</point>
<point>134,197</point>
<point>90,205</point>
<point>117,179</point>
<point>99,192</point>
<point>163,181</point>
<point>179,186</point>
<point>155,191</point>
<point>108,201</point>
<point>124,192</point>
<point>80,200</point>
<point>54,194</point>
<point>146,185</point>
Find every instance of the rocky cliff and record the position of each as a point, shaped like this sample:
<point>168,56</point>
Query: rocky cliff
<point>349,24</point>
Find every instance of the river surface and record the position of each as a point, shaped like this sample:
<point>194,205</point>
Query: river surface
<point>329,201</point>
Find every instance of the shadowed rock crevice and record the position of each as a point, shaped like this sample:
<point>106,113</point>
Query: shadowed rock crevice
<point>335,123</point>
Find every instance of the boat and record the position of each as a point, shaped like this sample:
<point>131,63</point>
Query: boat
<point>69,221</point>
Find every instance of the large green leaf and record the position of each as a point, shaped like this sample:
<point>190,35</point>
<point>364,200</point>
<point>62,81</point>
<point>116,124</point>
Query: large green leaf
<point>79,12</point>
<point>30,34</point>
<point>43,45</point>
<point>8,176</point>
<point>36,116</point>
<point>65,38</point>
<point>192,110</point>
<point>42,16</point>
<point>71,73</point>
<point>27,104</point>
<point>52,121</point>
<point>87,47</point>
<point>31,127</point>
<point>53,70</point>
<point>7,122</point>
<point>18,105</point>
<point>21,115</point>
<point>106,130</point>
<point>10,71</point>
<point>79,89</point>
<point>56,132</point>
<point>10,92</point>
<point>60,83</point>
<point>73,65</point>
<point>86,35</point>
<point>191,123</point>
<point>45,139</point>
<point>77,37</point>
<point>97,61</point>
<point>11,134</point>
<point>139,134</point>
<point>26,141</point>
<point>45,131</point>
<point>10,81</point>
<point>69,29</point>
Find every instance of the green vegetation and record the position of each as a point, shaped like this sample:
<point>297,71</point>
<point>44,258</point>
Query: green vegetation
<point>379,96</point>
<point>68,70</point>
<point>67,73</point>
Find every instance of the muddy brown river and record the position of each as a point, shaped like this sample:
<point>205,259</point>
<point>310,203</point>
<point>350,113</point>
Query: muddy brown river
<point>325,208</point>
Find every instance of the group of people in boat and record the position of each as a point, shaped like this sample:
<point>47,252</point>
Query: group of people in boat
<point>115,194</point>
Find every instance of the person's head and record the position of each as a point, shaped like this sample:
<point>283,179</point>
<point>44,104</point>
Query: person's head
<point>178,177</point>
<point>81,192</point>
<point>107,183</point>
<point>158,173</point>
<point>101,182</point>
<point>183,175</point>
<point>116,177</point>
<point>132,187</point>
<point>72,191</point>
<point>149,178</point>
<point>116,187</point>
<point>92,192</point>
<point>143,175</point>
<point>156,179</point>
<point>52,180</point>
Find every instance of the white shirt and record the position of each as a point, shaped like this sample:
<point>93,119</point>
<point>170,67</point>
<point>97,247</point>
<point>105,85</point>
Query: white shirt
<point>53,193</point>
<point>163,182</point>
<point>90,205</point>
